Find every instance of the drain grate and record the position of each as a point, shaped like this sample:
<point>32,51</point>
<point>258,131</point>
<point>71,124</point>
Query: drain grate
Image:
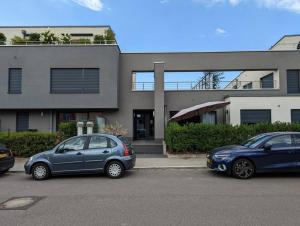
<point>20,203</point>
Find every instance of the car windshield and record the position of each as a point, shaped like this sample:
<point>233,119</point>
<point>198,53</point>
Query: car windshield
<point>254,141</point>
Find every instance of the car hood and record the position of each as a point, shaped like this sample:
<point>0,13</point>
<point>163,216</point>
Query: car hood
<point>230,149</point>
<point>42,154</point>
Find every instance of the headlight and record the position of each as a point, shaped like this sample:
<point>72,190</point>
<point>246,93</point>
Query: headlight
<point>221,156</point>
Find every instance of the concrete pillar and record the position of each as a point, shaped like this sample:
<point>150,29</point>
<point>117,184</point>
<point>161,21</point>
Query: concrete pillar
<point>89,127</point>
<point>80,128</point>
<point>159,100</point>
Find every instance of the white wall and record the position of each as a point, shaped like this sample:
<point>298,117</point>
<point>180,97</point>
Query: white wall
<point>280,107</point>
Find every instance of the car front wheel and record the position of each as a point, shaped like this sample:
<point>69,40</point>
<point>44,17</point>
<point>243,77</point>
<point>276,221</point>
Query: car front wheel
<point>243,168</point>
<point>115,170</point>
<point>40,171</point>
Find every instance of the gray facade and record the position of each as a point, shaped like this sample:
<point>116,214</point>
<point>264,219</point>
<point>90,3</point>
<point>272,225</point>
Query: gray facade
<point>116,101</point>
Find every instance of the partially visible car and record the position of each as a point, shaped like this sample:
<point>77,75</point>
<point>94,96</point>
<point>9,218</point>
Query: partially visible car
<point>84,154</point>
<point>7,159</point>
<point>267,152</point>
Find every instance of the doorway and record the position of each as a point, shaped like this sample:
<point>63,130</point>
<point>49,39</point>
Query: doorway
<point>143,124</point>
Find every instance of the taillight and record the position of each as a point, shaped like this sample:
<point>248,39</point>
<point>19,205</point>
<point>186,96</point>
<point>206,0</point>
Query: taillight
<point>126,150</point>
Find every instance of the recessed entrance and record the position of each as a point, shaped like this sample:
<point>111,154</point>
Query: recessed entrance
<point>143,124</point>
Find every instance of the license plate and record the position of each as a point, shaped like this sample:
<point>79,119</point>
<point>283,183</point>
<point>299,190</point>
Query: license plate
<point>3,156</point>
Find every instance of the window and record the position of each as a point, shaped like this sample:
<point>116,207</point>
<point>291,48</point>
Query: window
<point>76,80</point>
<point>267,81</point>
<point>295,115</point>
<point>293,85</point>
<point>74,144</point>
<point>248,86</point>
<point>255,116</point>
<point>280,141</point>
<point>15,81</point>
<point>22,121</point>
<point>296,140</point>
<point>98,142</point>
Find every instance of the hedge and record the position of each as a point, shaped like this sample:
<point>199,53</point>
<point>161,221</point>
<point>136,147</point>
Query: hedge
<point>26,144</point>
<point>201,138</point>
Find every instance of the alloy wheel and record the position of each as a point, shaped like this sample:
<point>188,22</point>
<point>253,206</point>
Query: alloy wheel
<point>243,169</point>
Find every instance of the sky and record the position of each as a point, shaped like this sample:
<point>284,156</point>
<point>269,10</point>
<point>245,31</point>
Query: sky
<point>168,25</point>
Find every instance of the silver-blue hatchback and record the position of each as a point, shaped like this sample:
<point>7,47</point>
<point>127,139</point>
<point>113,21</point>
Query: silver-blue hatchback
<point>92,153</point>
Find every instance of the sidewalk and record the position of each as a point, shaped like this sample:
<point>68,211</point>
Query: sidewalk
<point>144,163</point>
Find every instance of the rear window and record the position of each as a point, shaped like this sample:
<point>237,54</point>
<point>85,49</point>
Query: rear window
<point>124,140</point>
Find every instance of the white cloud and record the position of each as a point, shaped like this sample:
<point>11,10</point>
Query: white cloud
<point>290,5</point>
<point>221,31</point>
<point>95,5</point>
<point>164,1</point>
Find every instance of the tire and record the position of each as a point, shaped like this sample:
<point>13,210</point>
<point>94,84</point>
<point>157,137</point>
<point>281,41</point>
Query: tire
<point>243,168</point>
<point>40,171</point>
<point>115,170</point>
<point>3,172</point>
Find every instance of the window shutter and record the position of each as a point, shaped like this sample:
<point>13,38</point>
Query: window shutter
<point>15,81</point>
<point>293,81</point>
<point>255,116</point>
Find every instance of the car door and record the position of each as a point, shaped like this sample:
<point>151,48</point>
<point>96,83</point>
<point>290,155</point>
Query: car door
<point>99,149</point>
<point>281,155</point>
<point>69,156</point>
<point>296,144</point>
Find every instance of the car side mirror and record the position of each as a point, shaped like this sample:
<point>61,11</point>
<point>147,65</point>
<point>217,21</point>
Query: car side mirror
<point>268,147</point>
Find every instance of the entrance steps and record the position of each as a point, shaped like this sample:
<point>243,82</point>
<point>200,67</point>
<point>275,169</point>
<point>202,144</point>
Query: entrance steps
<point>148,147</point>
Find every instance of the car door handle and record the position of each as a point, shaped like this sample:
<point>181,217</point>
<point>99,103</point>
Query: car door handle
<point>105,152</point>
<point>79,153</point>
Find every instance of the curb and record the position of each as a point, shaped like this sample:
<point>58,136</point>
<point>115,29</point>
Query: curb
<point>142,168</point>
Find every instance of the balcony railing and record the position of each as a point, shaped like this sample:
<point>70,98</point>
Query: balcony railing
<point>73,42</point>
<point>195,85</point>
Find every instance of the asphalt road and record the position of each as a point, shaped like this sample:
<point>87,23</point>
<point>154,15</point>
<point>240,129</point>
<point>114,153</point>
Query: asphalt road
<point>155,197</point>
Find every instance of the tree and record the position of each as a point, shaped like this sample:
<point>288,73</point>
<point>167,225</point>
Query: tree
<point>211,80</point>
<point>99,39</point>
<point>2,39</point>
<point>34,37</point>
<point>49,38</point>
<point>110,36</point>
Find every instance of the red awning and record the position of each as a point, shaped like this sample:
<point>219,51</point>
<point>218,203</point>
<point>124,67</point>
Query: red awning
<point>198,110</point>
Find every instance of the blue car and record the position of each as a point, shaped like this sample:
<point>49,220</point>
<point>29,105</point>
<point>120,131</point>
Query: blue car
<point>84,154</point>
<point>268,152</point>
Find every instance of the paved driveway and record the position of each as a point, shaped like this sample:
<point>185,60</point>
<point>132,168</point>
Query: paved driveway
<point>155,197</point>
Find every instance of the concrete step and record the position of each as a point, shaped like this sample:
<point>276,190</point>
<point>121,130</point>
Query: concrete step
<point>148,149</point>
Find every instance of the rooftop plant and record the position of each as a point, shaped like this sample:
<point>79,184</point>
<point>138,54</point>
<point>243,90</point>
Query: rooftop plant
<point>2,39</point>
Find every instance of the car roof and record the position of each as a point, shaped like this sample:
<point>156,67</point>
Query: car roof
<point>281,133</point>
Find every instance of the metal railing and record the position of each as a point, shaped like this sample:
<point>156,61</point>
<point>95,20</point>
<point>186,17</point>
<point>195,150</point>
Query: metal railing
<point>195,85</point>
<point>72,42</point>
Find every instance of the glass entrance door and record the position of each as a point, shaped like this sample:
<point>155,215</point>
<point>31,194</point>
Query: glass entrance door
<point>143,124</point>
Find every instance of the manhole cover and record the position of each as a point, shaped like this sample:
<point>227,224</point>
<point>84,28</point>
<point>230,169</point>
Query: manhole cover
<point>19,203</point>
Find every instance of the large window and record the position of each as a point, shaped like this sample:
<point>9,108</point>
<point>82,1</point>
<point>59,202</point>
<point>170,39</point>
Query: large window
<point>22,121</point>
<point>267,81</point>
<point>255,116</point>
<point>293,84</point>
<point>74,80</point>
<point>295,115</point>
<point>15,81</point>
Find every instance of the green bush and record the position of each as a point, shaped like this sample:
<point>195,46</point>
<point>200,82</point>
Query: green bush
<point>201,138</point>
<point>2,39</point>
<point>67,130</point>
<point>26,144</point>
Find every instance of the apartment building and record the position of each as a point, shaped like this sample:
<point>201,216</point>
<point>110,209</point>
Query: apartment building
<point>43,85</point>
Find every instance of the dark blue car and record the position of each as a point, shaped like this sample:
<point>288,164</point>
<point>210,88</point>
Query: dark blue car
<point>268,152</point>
<point>84,154</point>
